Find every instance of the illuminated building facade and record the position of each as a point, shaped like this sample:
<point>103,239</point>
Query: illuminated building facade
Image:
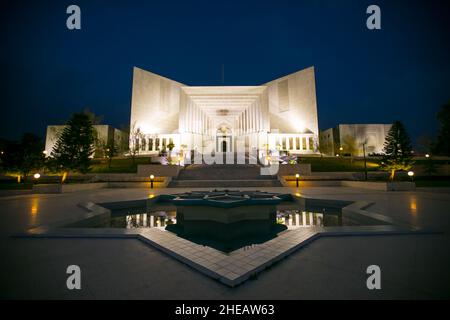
<point>278,115</point>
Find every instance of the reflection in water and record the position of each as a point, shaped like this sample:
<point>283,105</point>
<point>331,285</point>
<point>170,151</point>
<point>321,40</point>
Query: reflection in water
<point>292,219</point>
<point>224,236</point>
<point>158,219</point>
<point>34,210</point>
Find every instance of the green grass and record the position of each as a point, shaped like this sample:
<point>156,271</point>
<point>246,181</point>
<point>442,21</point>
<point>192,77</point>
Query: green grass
<point>120,165</point>
<point>339,164</point>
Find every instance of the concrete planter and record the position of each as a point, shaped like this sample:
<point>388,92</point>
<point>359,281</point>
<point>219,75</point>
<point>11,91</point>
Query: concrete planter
<point>157,170</point>
<point>303,169</point>
<point>289,181</point>
<point>63,188</point>
<point>382,186</point>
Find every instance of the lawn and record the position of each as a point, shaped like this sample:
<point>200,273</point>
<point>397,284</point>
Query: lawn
<point>118,165</point>
<point>327,164</point>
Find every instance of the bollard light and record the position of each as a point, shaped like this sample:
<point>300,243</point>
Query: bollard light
<point>36,175</point>
<point>296,178</point>
<point>152,177</point>
<point>411,175</point>
<point>427,155</point>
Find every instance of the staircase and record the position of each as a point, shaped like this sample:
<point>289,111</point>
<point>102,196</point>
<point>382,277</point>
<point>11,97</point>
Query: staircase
<point>223,175</point>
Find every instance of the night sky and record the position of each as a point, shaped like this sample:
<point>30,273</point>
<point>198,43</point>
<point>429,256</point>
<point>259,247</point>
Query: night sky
<point>362,76</point>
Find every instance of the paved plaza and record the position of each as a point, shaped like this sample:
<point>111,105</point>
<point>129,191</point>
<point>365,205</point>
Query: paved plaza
<point>412,266</point>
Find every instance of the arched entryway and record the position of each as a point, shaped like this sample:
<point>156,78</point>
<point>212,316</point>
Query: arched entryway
<point>224,139</point>
<point>224,146</point>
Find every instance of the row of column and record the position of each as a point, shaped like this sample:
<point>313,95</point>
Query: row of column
<point>295,142</point>
<point>155,143</point>
<point>303,220</point>
<point>147,221</point>
<point>196,121</point>
<point>251,120</point>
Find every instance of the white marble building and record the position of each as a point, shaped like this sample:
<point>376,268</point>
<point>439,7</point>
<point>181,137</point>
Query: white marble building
<point>372,135</point>
<point>278,115</point>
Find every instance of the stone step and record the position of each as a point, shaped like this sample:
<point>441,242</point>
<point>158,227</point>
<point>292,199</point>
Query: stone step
<point>223,172</point>
<point>223,183</point>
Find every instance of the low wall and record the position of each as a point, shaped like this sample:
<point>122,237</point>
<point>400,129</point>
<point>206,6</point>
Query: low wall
<point>63,188</point>
<point>158,183</point>
<point>383,186</point>
<point>157,170</point>
<point>303,169</point>
<point>117,177</point>
<point>289,181</point>
<point>161,182</point>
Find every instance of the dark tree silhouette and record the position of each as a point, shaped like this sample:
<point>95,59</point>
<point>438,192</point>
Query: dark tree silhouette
<point>24,156</point>
<point>75,146</point>
<point>397,150</point>
<point>442,146</point>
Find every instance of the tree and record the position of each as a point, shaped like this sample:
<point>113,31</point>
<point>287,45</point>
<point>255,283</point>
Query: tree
<point>442,145</point>
<point>24,156</point>
<point>397,150</point>
<point>75,146</point>
<point>170,146</point>
<point>136,137</point>
<point>110,152</point>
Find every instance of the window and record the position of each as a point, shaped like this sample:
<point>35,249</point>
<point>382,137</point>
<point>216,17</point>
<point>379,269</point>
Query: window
<point>143,145</point>
<point>291,143</point>
<point>283,143</point>
<point>150,144</point>
<point>304,143</point>
<point>297,143</point>
<point>311,143</point>
<point>157,144</point>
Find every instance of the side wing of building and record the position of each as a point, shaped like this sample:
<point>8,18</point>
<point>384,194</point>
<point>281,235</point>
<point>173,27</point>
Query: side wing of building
<point>155,103</point>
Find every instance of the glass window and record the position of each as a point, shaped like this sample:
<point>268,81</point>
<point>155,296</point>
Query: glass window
<point>304,143</point>
<point>297,143</point>
<point>291,143</point>
<point>283,143</point>
<point>150,144</point>
<point>311,143</point>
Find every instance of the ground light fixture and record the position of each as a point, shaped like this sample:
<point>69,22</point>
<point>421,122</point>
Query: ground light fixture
<point>411,175</point>
<point>427,155</point>
<point>36,177</point>
<point>152,177</point>
<point>296,178</point>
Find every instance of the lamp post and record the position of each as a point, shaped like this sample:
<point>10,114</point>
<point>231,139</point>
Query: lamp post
<point>296,178</point>
<point>152,177</point>
<point>411,175</point>
<point>365,161</point>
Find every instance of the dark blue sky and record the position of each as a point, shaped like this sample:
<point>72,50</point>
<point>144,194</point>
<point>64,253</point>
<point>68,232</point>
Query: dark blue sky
<point>362,76</point>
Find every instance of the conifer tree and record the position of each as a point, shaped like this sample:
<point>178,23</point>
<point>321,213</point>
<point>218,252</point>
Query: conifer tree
<point>397,150</point>
<point>75,146</point>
